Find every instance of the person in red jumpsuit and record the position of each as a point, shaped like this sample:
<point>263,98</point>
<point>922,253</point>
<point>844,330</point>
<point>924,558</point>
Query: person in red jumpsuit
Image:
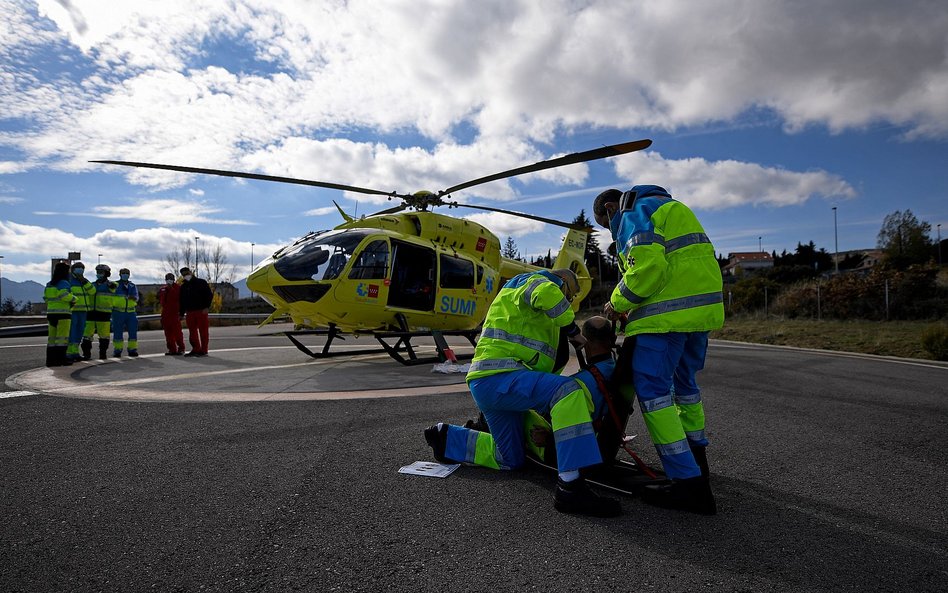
<point>196,297</point>
<point>169,296</point>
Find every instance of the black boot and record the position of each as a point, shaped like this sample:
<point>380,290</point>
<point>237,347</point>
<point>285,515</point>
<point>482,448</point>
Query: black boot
<point>692,494</point>
<point>62,357</point>
<point>51,359</point>
<point>701,458</point>
<point>103,349</point>
<point>479,425</point>
<point>437,439</point>
<point>86,346</point>
<point>578,498</point>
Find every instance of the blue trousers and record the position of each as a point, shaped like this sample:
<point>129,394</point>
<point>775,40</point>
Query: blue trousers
<point>663,371</point>
<point>505,397</point>
<point>122,321</point>
<point>76,329</point>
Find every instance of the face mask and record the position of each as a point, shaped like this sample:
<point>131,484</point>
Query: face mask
<point>123,276</point>
<point>79,271</point>
<point>188,277</point>
<point>169,281</point>
<point>100,275</point>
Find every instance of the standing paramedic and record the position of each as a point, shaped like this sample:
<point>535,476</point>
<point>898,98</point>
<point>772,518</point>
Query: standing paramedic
<point>59,302</point>
<point>99,321</point>
<point>169,296</point>
<point>124,317</point>
<point>511,374</point>
<point>84,292</point>
<point>196,297</point>
<point>671,291</point>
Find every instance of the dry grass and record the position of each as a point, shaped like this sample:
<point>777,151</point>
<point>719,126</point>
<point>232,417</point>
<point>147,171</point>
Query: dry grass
<point>888,338</point>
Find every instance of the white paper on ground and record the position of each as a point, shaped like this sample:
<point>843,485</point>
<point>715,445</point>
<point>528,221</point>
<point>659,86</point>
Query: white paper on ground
<point>429,468</point>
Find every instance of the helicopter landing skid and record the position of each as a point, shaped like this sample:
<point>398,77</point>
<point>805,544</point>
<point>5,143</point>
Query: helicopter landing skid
<point>401,347</point>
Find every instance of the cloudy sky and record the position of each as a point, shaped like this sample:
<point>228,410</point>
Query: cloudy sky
<point>764,115</point>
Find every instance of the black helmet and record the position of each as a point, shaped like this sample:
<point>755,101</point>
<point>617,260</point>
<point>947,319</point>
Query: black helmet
<point>104,270</point>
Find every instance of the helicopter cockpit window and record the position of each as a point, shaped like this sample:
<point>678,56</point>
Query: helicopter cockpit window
<point>322,258</point>
<point>372,263</point>
<point>456,272</point>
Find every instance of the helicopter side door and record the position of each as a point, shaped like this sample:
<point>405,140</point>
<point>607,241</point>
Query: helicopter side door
<point>413,277</point>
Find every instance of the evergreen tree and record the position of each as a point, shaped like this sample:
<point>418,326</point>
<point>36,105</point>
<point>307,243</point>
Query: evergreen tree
<point>510,250</point>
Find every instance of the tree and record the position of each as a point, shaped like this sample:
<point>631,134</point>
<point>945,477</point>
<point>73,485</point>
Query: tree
<point>10,307</point>
<point>216,266</point>
<point>510,250</point>
<point>904,239</point>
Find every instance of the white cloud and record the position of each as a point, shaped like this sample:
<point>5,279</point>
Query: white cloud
<point>196,192</point>
<point>10,200</point>
<point>320,211</point>
<point>165,211</point>
<point>724,184</point>
<point>517,72</point>
<point>142,250</point>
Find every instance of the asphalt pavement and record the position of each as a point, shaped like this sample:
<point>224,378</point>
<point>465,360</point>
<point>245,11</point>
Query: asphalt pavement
<point>259,469</point>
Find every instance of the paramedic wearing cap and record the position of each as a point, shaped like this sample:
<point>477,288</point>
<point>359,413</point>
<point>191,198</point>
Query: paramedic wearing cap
<point>671,291</point>
<point>511,374</point>
<point>196,297</point>
<point>169,297</point>
<point>124,317</point>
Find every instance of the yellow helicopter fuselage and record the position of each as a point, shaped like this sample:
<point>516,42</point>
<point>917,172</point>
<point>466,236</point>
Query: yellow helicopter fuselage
<point>413,271</point>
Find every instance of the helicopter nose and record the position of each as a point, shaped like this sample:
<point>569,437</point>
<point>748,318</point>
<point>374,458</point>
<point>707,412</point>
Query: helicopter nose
<point>258,283</point>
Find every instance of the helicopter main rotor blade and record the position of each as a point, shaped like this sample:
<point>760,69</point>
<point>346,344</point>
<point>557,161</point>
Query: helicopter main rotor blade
<point>352,188</point>
<point>570,159</point>
<point>567,225</point>
<point>391,210</point>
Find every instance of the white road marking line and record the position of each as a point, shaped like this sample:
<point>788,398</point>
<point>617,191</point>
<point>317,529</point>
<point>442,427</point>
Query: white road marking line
<point>4,394</point>
<point>876,357</point>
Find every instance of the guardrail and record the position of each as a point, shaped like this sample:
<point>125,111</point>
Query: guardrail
<point>19,331</point>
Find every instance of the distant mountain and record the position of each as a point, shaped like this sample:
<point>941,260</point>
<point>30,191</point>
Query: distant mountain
<point>24,292</point>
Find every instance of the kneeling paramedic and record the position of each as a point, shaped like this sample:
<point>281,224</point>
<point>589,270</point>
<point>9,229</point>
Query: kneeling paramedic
<point>510,374</point>
<point>671,290</point>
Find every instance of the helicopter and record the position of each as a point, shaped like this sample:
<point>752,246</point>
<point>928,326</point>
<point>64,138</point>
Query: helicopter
<point>403,272</point>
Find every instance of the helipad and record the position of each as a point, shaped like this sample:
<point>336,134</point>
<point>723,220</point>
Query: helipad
<point>267,368</point>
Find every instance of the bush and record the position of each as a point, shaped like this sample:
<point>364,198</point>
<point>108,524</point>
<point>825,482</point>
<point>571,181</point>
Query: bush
<point>935,341</point>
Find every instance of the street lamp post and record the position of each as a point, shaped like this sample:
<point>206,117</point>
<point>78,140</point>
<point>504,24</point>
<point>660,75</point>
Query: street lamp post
<point>251,264</point>
<point>759,247</point>
<point>99,260</point>
<point>196,253</point>
<point>835,242</point>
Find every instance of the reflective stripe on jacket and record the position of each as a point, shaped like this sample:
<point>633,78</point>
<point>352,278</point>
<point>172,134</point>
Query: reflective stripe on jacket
<point>671,280</point>
<point>84,293</point>
<point>522,327</point>
<point>102,301</point>
<point>59,298</point>
<point>125,298</point>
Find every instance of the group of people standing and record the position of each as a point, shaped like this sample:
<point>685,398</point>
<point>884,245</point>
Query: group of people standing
<point>79,309</point>
<point>670,293</point>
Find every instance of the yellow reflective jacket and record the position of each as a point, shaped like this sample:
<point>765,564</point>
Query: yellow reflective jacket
<point>522,327</point>
<point>671,279</point>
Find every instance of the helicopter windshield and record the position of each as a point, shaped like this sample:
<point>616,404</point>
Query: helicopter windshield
<point>322,258</point>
